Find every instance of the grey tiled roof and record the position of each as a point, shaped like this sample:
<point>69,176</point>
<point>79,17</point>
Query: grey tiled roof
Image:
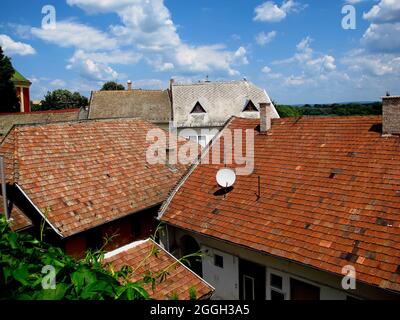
<point>10,119</point>
<point>150,105</point>
<point>221,100</point>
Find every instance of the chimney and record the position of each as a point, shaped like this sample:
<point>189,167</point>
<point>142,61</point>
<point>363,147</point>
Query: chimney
<point>391,115</point>
<point>265,117</point>
<point>171,83</point>
<point>129,85</point>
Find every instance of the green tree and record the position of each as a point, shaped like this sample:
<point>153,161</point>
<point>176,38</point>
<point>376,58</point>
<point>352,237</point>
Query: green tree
<point>8,94</point>
<point>63,99</point>
<point>112,86</point>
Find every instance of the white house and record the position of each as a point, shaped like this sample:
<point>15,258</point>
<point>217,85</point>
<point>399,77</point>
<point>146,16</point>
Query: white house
<point>200,110</point>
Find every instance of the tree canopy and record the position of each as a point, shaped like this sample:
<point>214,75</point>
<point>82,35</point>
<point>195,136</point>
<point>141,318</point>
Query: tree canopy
<point>112,86</point>
<point>335,109</point>
<point>8,94</point>
<point>63,99</point>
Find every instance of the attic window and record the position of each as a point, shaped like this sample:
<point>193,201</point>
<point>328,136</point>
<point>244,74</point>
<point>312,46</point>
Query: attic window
<point>250,107</point>
<point>198,108</point>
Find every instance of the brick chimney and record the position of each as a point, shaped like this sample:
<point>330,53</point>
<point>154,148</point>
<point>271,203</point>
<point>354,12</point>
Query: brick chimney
<point>265,117</point>
<point>391,115</point>
<point>129,85</point>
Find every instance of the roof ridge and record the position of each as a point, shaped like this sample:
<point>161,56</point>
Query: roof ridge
<point>212,82</point>
<point>78,121</point>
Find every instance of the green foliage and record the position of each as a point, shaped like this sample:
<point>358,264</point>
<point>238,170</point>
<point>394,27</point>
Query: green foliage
<point>192,293</point>
<point>63,99</point>
<point>288,111</point>
<point>8,94</point>
<point>22,258</point>
<point>111,86</point>
<point>335,109</point>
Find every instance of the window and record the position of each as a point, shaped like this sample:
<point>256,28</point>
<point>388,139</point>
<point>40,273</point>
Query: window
<point>300,290</point>
<point>248,288</point>
<point>276,285</point>
<point>198,108</point>
<point>250,107</point>
<point>219,261</point>
<point>276,281</point>
<point>203,141</point>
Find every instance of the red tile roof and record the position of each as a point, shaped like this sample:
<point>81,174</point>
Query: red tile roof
<point>330,197</point>
<point>19,221</point>
<point>84,174</point>
<point>147,256</point>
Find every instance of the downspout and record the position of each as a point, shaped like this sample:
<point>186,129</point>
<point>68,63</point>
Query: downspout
<point>4,189</point>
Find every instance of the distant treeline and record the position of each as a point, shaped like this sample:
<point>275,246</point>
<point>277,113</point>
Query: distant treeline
<point>335,109</point>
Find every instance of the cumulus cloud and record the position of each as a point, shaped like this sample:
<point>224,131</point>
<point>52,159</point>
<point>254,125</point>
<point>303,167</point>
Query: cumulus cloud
<point>384,11</point>
<point>74,34</point>
<point>11,47</point>
<point>147,26</point>
<point>365,63</point>
<point>382,37</point>
<point>263,38</point>
<point>90,69</point>
<point>271,12</point>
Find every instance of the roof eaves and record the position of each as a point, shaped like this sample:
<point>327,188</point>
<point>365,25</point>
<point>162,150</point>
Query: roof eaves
<point>39,211</point>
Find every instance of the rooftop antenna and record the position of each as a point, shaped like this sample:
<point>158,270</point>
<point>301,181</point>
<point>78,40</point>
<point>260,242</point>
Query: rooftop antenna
<point>259,188</point>
<point>207,78</point>
<point>226,178</point>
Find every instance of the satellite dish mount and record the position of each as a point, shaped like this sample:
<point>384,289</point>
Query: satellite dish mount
<point>226,178</point>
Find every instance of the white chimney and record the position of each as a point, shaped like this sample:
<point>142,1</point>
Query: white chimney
<point>391,115</point>
<point>265,117</point>
<point>129,85</point>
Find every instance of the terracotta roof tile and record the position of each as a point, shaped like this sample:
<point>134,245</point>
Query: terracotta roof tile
<point>329,197</point>
<point>147,256</point>
<point>84,174</point>
<point>19,221</point>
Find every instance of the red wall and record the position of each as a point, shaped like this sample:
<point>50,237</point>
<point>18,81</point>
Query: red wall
<point>27,100</point>
<point>76,246</point>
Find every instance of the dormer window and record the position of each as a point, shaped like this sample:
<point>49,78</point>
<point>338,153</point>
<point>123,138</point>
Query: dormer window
<point>198,108</point>
<point>250,107</point>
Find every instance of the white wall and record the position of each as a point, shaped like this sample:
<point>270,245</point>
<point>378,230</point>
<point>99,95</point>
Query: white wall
<point>225,280</point>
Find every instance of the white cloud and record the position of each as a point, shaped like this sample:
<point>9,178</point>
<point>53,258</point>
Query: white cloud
<point>73,34</point>
<point>109,57</point>
<point>384,11</point>
<point>264,38</point>
<point>92,70</point>
<point>271,12</point>
<point>365,63</point>
<point>58,83</point>
<point>11,47</point>
<point>147,26</point>
<point>382,37</point>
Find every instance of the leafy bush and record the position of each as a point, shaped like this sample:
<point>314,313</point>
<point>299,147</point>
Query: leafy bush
<point>22,258</point>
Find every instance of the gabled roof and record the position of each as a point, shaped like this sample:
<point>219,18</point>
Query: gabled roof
<point>7,120</point>
<point>147,256</point>
<point>150,105</point>
<point>330,197</point>
<point>221,100</point>
<point>19,221</point>
<point>86,173</point>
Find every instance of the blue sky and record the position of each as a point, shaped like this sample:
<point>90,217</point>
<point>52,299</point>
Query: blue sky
<point>296,49</point>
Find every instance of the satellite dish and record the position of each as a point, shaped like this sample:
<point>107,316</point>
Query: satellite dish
<point>226,178</point>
